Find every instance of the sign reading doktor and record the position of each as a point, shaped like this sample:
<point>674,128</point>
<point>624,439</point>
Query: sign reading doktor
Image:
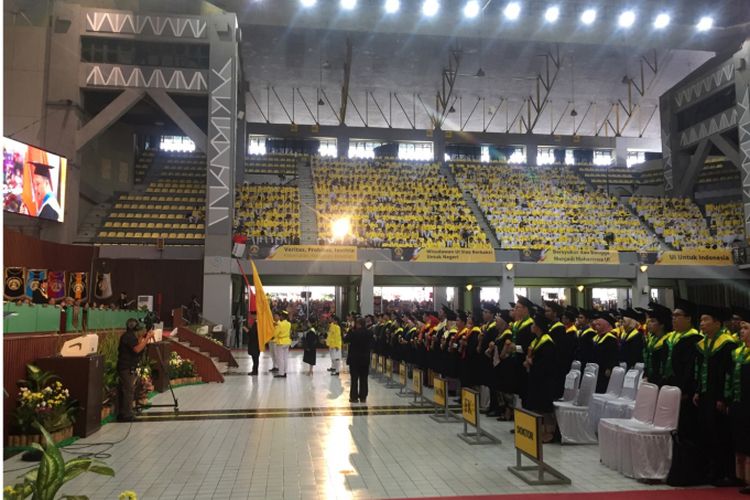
<point>527,434</point>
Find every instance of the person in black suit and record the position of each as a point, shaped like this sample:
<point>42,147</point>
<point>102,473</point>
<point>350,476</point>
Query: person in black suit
<point>253,349</point>
<point>360,343</point>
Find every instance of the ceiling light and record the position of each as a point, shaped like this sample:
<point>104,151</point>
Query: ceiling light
<point>348,4</point>
<point>368,264</point>
<point>580,288</point>
<point>552,14</point>
<point>643,268</point>
<point>705,23</point>
<point>308,3</point>
<point>392,6</point>
<point>512,11</point>
<point>662,21</point>
<point>626,19</point>
<point>430,7</point>
<point>588,16</point>
<point>471,9</point>
<point>469,287</point>
<point>509,266</point>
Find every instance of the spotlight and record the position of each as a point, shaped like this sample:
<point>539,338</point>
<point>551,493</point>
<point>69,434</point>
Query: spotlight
<point>662,21</point>
<point>340,228</point>
<point>626,19</point>
<point>509,266</point>
<point>471,9</point>
<point>552,14</point>
<point>368,265</point>
<point>705,23</point>
<point>348,4</point>
<point>308,3</point>
<point>588,16</point>
<point>512,11</point>
<point>430,7</point>
<point>392,6</point>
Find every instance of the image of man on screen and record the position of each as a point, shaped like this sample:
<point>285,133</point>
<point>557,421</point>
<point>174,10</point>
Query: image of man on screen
<point>48,208</point>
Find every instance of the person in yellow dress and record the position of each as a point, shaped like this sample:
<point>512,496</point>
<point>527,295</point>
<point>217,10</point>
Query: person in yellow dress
<point>283,339</point>
<point>334,343</point>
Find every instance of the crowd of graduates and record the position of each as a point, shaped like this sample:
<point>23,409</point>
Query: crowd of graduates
<point>520,357</point>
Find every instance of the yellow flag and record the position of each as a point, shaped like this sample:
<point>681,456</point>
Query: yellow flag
<point>262,310</point>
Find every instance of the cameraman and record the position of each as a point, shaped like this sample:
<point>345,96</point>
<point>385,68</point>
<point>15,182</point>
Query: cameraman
<point>128,354</point>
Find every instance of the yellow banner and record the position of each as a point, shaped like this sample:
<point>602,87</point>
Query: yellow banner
<point>469,406</point>
<point>314,252</point>
<point>417,381</point>
<point>527,433</point>
<point>696,257</point>
<point>559,256</point>
<point>439,384</point>
<point>453,255</point>
<point>402,373</point>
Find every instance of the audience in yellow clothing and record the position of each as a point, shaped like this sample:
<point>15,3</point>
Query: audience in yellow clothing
<point>282,337</point>
<point>268,213</point>
<point>393,204</point>
<point>539,208</point>
<point>725,220</point>
<point>334,342</point>
<point>678,220</point>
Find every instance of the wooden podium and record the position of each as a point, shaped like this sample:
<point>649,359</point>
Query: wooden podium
<point>159,378</point>
<point>83,377</point>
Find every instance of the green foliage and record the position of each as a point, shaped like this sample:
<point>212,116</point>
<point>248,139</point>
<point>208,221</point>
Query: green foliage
<point>180,367</point>
<point>42,400</point>
<point>45,481</point>
<point>108,347</point>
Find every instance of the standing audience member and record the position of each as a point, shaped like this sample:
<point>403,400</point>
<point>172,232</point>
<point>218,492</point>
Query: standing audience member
<point>310,346</point>
<point>128,354</point>
<point>333,341</point>
<point>253,347</point>
<point>283,339</point>
<point>738,395</point>
<point>360,344</point>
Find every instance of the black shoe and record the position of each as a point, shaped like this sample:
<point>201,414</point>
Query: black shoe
<point>273,370</point>
<point>363,400</point>
<point>335,374</point>
<point>280,376</point>
<point>126,419</point>
<point>353,400</point>
<point>252,373</point>
<point>330,370</point>
<point>745,490</point>
<point>727,482</point>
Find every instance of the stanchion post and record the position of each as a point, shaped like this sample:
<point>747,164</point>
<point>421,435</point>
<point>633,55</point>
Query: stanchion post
<point>442,413</point>
<point>470,414</point>
<point>528,443</point>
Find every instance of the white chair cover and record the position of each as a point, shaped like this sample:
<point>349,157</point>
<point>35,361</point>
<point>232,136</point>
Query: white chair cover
<point>639,366</point>
<point>623,406</point>
<point>575,365</point>
<point>572,416</point>
<point>591,368</point>
<point>599,401</point>
<point>647,451</point>
<point>571,385</point>
<point>608,430</point>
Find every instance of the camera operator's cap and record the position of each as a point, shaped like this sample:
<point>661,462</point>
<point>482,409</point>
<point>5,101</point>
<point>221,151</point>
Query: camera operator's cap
<point>717,313</point>
<point>557,308</point>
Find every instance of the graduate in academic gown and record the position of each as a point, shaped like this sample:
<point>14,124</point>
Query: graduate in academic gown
<point>737,392</point>
<point>604,352</point>
<point>543,371</point>
<point>712,368</point>
<point>310,346</point>
<point>486,370</point>
<point>586,335</point>
<point>659,324</point>
<point>501,351</point>
<point>553,312</point>
<point>521,339</point>
<point>631,338</point>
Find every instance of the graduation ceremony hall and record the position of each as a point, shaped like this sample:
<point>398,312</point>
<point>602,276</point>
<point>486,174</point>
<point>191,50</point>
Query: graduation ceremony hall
<point>376,249</point>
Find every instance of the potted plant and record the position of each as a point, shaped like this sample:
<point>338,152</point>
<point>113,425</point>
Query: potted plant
<point>43,401</point>
<point>143,383</point>
<point>108,348</point>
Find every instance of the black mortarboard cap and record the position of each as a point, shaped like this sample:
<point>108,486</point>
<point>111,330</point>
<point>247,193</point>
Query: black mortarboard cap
<point>632,313</point>
<point>449,314</point>
<point>570,312</point>
<point>491,308</point>
<point>586,313</point>
<point>718,313</point>
<point>512,304</point>
<point>541,321</point>
<point>557,308</point>
<point>42,169</point>
<point>689,308</point>
<point>526,302</point>
<point>505,314</point>
<point>742,312</point>
<point>661,314</point>
<point>606,316</point>
<point>463,316</point>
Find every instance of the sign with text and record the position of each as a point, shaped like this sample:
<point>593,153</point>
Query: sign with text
<point>560,256</point>
<point>417,382</point>
<point>469,400</point>
<point>696,257</point>
<point>527,433</point>
<point>389,367</point>
<point>419,254</point>
<point>402,372</point>
<point>329,253</point>
<point>440,392</point>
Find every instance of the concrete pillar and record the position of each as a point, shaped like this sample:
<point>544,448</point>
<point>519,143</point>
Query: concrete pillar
<point>666,297</point>
<point>342,146</point>
<point>475,296</point>
<point>439,297</point>
<point>622,298</point>
<point>351,300</point>
<point>217,291</point>
<point>531,151</point>
<point>578,297</point>
<point>366,290</point>
<point>535,295</point>
<point>438,145</point>
<point>339,300</point>
<point>639,298</point>
<point>507,284</point>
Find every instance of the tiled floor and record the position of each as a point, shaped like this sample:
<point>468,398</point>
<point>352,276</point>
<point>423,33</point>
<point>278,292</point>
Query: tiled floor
<point>326,457</point>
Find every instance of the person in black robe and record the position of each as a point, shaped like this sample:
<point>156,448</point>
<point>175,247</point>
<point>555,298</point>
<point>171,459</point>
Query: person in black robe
<point>557,331</point>
<point>738,395</point>
<point>631,338</point>
<point>488,335</point>
<point>712,369</point>
<point>360,344</point>
<point>521,339</point>
<point>604,352</point>
<point>253,349</point>
<point>502,351</point>
<point>543,370</point>
<point>586,334</point>
<point>659,324</point>
<point>309,346</point>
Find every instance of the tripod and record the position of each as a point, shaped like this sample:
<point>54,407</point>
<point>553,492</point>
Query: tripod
<point>163,368</point>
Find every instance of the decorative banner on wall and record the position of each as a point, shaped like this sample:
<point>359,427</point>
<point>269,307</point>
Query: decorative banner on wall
<point>78,285</point>
<point>559,256</point>
<point>443,254</point>
<point>696,257</point>
<point>103,288</point>
<point>56,284</point>
<point>33,278</point>
<point>15,278</point>
<point>312,252</point>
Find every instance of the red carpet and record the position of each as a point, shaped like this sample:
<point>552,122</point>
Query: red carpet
<point>671,494</point>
